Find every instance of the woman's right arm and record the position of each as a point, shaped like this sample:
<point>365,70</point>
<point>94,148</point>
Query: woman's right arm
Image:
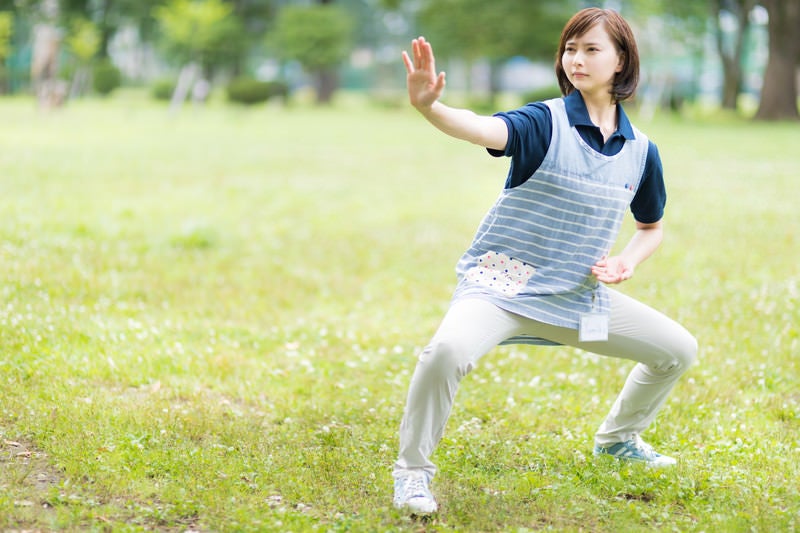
<point>425,87</point>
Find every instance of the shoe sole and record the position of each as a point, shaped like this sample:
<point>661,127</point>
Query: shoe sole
<point>417,510</point>
<point>648,464</point>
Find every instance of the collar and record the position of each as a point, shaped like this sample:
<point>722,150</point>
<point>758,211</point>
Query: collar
<point>578,115</point>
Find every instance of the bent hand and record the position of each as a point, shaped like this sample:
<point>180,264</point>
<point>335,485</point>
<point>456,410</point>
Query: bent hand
<point>425,86</point>
<point>612,270</point>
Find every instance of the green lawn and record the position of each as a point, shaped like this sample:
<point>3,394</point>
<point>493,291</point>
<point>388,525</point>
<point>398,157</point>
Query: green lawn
<point>209,321</point>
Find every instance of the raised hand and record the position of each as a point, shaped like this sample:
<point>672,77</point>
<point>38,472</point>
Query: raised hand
<point>425,85</point>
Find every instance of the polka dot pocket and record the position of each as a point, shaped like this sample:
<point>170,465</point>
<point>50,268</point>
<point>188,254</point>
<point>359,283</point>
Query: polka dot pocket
<point>500,273</point>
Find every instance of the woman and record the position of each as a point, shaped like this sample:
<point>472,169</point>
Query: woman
<point>537,269</point>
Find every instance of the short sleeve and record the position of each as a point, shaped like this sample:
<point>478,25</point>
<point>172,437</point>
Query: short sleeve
<point>651,197</point>
<point>529,131</point>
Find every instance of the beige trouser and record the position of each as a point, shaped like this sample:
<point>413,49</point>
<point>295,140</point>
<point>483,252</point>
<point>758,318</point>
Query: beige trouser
<point>472,327</point>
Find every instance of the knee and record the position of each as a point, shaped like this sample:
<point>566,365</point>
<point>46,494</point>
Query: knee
<point>685,351</point>
<point>675,356</point>
<point>445,358</point>
<point>690,352</point>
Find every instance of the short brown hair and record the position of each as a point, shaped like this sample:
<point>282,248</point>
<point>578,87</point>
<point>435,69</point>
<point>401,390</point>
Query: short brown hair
<point>625,81</point>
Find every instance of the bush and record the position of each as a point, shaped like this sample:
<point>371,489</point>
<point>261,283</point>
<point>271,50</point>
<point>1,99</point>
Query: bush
<point>163,89</point>
<point>544,93</point>
<point>106,77</point>
<point>249,91</point>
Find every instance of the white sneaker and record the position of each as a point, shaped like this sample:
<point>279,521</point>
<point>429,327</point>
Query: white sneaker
<point>411,492</point>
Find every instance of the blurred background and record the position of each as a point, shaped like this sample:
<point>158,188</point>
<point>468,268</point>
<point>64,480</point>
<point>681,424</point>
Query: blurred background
<point>741,55</point>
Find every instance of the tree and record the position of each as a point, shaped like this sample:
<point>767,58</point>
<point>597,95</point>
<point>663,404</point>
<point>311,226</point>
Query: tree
<point>110,15</point>
<point>200,36</point>
<point>205,32</point>
<point>500,29</point>
<point>319,37</point>
<point>779,92</point>
<point>6,30</point>
<point>255,16</point>
<point>497,31</point>
<point>46,50</point>
<point>730,45</point>
<point>84,42</point>
<point>681,24</point>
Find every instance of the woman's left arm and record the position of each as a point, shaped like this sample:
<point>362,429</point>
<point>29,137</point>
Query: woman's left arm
<point>620,267</point>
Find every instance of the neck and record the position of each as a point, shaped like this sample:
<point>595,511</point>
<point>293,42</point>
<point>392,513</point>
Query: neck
<point>599,105</point>
<point>603,112</point>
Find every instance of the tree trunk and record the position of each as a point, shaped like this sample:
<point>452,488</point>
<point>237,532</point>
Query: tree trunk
<point>327,82</point>
<point>779,93</point>
<point>731,82</point>
<point>494,82</point>
<point>106,31</point>
<point>186,79</point>
<point>44,65</point>
<point>326,79</point>
<point>732,56</point>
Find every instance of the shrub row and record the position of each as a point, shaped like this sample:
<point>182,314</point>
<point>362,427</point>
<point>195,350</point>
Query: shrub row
<point>246,91</point>
<point>249,91</point>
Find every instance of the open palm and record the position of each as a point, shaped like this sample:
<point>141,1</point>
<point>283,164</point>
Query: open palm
<point>425,86</point>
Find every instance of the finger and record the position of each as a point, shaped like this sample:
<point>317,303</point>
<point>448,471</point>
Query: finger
<point>440,82</point>
<point>415,51</point>
<point>407,62</point>
<point>428,59</point>
<point>610,279</point>
<point>420,46</point>
<point>603,276</point>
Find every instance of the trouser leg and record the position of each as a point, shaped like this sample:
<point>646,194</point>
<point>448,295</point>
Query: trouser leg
<point>664,351</point>
<point>470,328</point>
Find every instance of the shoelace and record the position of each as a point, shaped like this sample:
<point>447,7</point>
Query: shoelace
<point>643,447</point>
<point>415,487</point>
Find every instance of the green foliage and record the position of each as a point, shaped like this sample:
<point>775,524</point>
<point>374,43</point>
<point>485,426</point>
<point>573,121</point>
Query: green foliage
<point>6,31</point>
<point>206,31</point>
<point>83,40</point>
<point>250,91</point>
<point>209,323</point>
<point>106,77</point>
<point>496,30</point>
<point>163,89</point>
<point>317,36</point>
<point>540,94</point>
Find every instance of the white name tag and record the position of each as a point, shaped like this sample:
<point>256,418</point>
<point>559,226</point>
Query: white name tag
<point>593,327</point>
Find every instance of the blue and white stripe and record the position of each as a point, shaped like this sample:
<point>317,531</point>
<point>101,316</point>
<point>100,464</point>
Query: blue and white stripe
<point>559,222</point>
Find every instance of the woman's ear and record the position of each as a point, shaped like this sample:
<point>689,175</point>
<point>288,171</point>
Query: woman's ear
<point>621,62</point>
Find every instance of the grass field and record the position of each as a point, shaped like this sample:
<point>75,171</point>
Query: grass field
<point>209,321</point>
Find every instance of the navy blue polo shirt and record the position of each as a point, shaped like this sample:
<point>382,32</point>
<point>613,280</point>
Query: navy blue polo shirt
<point>529,131</point>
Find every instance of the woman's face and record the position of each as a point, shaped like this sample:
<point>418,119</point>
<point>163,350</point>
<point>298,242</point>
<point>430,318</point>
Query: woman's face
<point>591,61</point>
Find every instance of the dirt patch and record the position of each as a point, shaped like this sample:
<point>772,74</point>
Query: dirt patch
<point>25,473</point>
